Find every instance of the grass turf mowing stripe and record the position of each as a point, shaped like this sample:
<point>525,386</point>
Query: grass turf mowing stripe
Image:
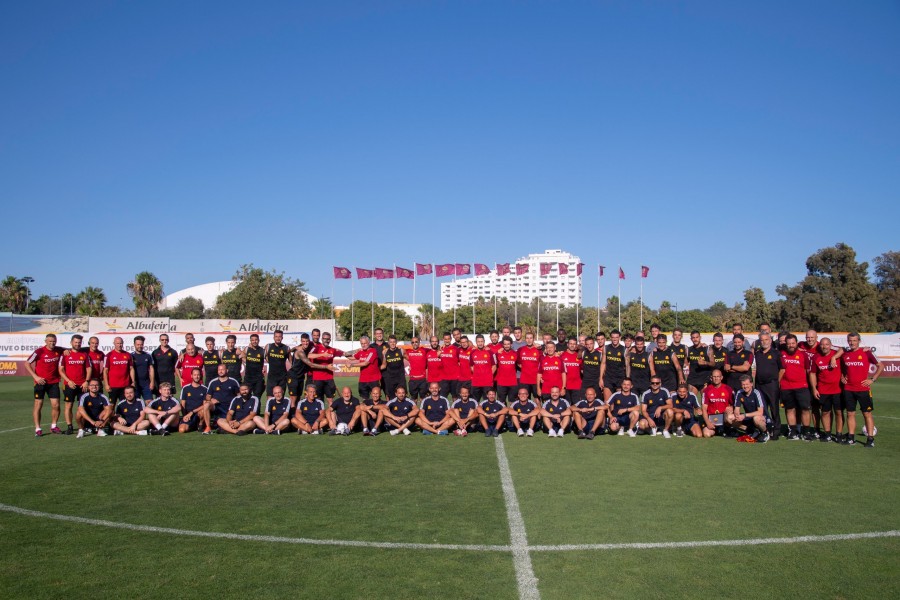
<point>525,578</point>
<point>250,538</point>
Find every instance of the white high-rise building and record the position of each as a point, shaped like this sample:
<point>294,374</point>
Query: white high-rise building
<point>552,288</point>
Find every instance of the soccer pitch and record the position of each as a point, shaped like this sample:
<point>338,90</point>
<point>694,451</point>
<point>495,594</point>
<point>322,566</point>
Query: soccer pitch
<point>408,517</point>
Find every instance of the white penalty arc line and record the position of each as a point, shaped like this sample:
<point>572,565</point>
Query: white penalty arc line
<point>462,547</point>
<point>16,429</point>
<point>526,580</point>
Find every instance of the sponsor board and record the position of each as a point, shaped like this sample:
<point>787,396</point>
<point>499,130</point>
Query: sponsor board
<point>128,325</point>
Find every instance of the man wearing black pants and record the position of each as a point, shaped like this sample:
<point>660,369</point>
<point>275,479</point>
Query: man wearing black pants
<point>768,365</point>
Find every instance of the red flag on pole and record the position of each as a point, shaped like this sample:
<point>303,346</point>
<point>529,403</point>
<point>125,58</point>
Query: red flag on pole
<point>463,269</point>
<point>621,273</point>
<point>423,269</point>
<point>407,273</point>
<point>545,268</point>
<point>341,273</point>
<point>563,269</point>
<point>481,269</point>
<point>364,273</point>
<point>444,270</point>
<point>579,268</point>
<point>384,273</point>
<point>645,271</point>
<point>503,269</point>
<point>601,270</point>
<point>521,269</point>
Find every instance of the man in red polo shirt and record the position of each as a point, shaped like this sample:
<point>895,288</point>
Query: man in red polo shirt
<point>794,381</point>
<point>449,367</point>
<point>323,379</point>
<point>505,376</point>
<point>825,379</point>
<point>856,366</point>
<point>551,373</point>
<point>97,357</point>
<point>190,360</point>
<point>496,345</point>
<point>433,363</point>
<point>366,358</point>
<point>43,366</point>
<point>415,356</point>
<point>118,372</point>
<point>717,398</point>
<point>483,369</point>
<point>75,368</point>
<point>571,360</point>
<point>529,365</point>
<point>811,346</point>
<point>465,362</point>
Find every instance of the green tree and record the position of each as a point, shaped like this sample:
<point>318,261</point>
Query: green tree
<point>263,294</point>
<point>835,295</point>
<point>90,301</point>
<point>13,294</point>
<point>695,319</point>
<point>188,307</point>
<point>147,291</point>
<point>322,308</point>
<point>887,282</point>
<point>756,309</point>
<point>362,321</point>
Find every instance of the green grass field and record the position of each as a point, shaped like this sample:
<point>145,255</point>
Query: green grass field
<point>447,490</point>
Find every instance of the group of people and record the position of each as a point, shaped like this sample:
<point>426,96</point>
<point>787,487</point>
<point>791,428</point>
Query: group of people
<point>620,384</point>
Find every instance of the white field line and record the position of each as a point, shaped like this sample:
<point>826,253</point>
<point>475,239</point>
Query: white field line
<point>250,538</point>
<point>16,429</point>
<point>525,578</point>
<point>804,539</point>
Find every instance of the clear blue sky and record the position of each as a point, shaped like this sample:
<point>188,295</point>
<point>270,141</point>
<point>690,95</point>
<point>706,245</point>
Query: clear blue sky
<point>718,144</point>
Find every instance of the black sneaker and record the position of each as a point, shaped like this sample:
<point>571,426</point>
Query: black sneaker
<point>259,431</point>
<point>762,439</point>
<point>69,430</point>
<point>870,443</point>
<point>589,436</point>
<point>581,435</point>
<point>242,432</point>
<point>809,436</point>
<point>825,438</point>
<point>164,432</point>
<point>276,432</point>
<point>793,435</point>
<point>817,434</point>
<point>850,441</point>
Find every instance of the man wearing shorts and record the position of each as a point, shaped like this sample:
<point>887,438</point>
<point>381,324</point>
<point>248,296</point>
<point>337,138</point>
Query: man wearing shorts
<point>254,367</point>
<point>464,411</point>
<point>366,359</point>
<point>241,414</point>
<point>656,409</point>
<point>492,414</point>
<point>571,360</point>
<point>417,359</point>
<point>393,365</point>
<point>483,369</point>
<point>94,411</point>
<point>794,382</point>
<point>856,366</point>
<point>323,378</point>
<point>556,412</point>
<point>75,371</point>
<point>309,417</point>
<point>624,410</point>
<point>372,412</point>
<point>590,415</point>
<point>613,369</point>
<point>686,410</point>
<point>144,376</point>
<point>748,414</point>
<point>194,405</point>
<point>825,381</point>
<point>130,418</point>
<point>220,392</point>
<point>434,413</point>
<point>506,375</point>
<point>343,413</point>
<point>524,414</point>
<point>529,365</point>
<point>400,413</point>
<point>43,366</point>
<point>449,367</point>
<point>163,412</point>
<point>717,397</point>
<point>276,418</point>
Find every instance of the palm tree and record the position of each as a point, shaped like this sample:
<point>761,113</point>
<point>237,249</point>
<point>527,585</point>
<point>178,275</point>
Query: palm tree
<point>322,308</point>
<point>90,301</point>
<point>147,292</point>
<point>14,294</point>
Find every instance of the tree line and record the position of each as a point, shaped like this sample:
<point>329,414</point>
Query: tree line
<point>837,294</point>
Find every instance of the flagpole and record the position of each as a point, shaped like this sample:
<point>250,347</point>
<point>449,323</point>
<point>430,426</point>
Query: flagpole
<point>393,297</point>
<point>598,299</point>
<point>372,327</point>
<point>620,297</point>
<point>557,316</point>
<point>495,310</point>
<point>473,318</point>
<point>432,299</point>
<point>642,301</point>
<point>416,276</point>
<point>538,317</point>
<point>352,320</point>
<point>454,304</point>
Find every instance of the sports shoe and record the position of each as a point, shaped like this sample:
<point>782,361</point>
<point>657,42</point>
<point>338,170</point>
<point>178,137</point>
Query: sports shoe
<point>406,431</point>
<point>519,432</point>
<point>426,432</point>
<point>560,433</point>
<point>793,435</point>
<point>162,432</point>
<point>346,432</point>
<point>207,431</point>
<point>333,432</point>
<point>621,431</point>
<point>762,439</point>
<point>101,433</point>
<point>55,430</point>
<point>317,432</point>
<point>259,431</point>
<point>809,436</point>
<point>653,431</point>
<point>38,433</point>
<point>117,432</point>
<point>496,432</point>
<point>374,432</point>
<point>581,435</point>
<point>80,434</point>
<point>395,431</point>
<point>870,442</point>
<point>825,437</point>
<point>464,433</point>
<point>666,434</point>
<point>589,436</point>
<point>632,433</point>
<point>487,432</point>
<point>679,432</point>
<point>365,431</point>
<point>530,433</point>
<point>69,430</point>
<point>276,432</point>
<point>443,432</point>
<point>850,440</point>
<point>143,432</point>
<point>551,433</point>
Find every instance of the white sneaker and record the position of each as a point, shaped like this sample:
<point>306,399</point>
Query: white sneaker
<point>316,432</point>
<point>621,432</point>
<point>666,434</point>
<point>80,434</point>
<point>631,433</point>
<point>406,431</point>
<point>560,433</point>
<point>142,432</point>
<point>395,431</point>
<point>551,433</point>
<point>530,432</point>
<point>117,432</point>
<point>101,433</point>
<point>365,430</point>
<point>653,431</point>
<point>519,432</point>
<point>304,432</point>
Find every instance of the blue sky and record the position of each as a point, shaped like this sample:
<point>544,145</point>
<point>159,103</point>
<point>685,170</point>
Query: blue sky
<point>719,144</point>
